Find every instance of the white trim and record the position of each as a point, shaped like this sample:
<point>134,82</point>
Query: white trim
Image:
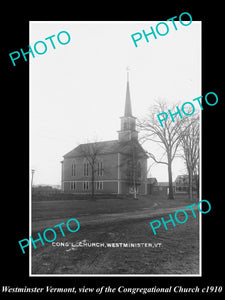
<point>118,161</point>
<point>62,176</point>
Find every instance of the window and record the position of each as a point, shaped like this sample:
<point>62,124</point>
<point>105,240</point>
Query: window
<point>85,185</point>
<point>126,126</point>
<point>132,126</point>
<point>86,169</point>
<point>139,170</point>
<point>72,185</point>
<point>100,168</point>
<point>99,185</point>
<point>73,169</point>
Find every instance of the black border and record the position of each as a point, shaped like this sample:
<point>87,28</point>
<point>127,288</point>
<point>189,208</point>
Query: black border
<point>15,265</point>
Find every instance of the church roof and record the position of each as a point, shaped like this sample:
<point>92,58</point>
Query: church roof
<point>105,147</point>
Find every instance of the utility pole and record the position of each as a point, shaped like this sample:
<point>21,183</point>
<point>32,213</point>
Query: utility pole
<point>32,177</point>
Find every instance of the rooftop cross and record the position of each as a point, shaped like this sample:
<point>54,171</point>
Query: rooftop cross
<point>127,69</point>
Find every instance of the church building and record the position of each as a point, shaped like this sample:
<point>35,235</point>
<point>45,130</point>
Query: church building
<point>108,167</point>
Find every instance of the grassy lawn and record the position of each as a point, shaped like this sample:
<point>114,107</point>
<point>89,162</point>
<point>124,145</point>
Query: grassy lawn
<point>46,210</point>
<point>114,222</point>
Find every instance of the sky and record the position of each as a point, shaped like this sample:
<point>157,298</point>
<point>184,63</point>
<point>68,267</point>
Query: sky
<point>77,90</point>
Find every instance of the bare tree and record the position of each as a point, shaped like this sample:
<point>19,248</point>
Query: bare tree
<point>196,174</point>
<point>189,143</point>
<point>132,153</point>
<point>167,137</point>
<point>91,152</point>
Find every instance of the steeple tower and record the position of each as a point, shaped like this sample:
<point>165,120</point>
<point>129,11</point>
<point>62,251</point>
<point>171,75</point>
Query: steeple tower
<point>128,121</point>
<point>128,109</point>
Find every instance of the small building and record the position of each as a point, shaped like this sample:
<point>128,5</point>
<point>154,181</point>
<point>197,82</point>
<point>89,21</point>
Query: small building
<point>158,188</point>
<point>151,185</point>
<point>182,183</point>
<point>163,188</point>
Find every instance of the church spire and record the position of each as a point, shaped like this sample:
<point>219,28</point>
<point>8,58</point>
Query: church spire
<point>128,109</point>
<point>128,121</point>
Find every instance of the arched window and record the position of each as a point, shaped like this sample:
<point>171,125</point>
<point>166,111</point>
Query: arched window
<point>86,168</point>
<point>126,125</point>
<point>73,169</point>
<point>100,168</point>
<point>139,170</point>
<point>132,125</point>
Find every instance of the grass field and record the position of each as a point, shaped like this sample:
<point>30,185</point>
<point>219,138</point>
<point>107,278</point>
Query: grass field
<point>116,221</point>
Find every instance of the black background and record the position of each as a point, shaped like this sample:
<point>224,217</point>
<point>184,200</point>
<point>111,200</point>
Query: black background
<point>15,142</point>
